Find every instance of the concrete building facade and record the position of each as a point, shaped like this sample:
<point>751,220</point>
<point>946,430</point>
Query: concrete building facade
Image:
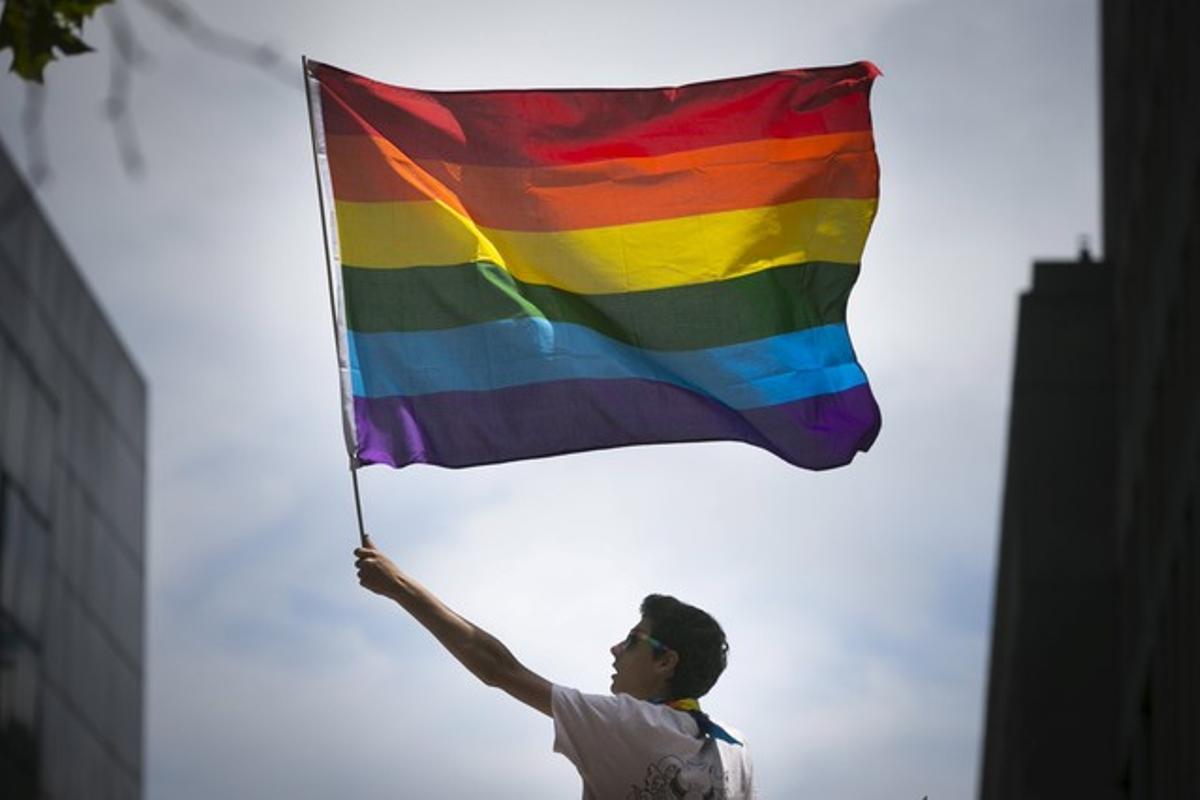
<point>1053,648</point>
<point>1094,687</point>
<point>72,525</point>
<point>1152,235</point>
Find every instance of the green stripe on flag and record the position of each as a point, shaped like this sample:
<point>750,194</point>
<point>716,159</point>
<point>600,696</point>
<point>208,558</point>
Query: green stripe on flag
<point>755,306</point>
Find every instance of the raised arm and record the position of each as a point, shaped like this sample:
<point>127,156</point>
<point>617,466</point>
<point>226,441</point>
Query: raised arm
<point>476,649</point>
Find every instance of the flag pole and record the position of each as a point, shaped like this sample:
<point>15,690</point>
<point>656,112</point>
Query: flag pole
<point>312,130</point>
<point>362,533</point>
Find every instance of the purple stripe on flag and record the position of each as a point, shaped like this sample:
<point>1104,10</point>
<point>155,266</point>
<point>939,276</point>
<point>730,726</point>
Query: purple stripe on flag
<point>460,429</point>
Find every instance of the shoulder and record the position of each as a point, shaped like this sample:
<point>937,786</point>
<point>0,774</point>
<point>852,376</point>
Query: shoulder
<point>572,707</point>
<point>570,701</point>
<point>615,733</point>
<point>588,723</point>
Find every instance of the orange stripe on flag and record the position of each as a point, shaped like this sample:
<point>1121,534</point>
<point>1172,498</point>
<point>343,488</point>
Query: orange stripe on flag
<point>614,192</point>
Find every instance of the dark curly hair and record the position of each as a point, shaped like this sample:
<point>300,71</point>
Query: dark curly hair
<point>694,636</point>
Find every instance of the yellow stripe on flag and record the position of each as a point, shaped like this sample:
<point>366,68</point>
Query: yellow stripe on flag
<point>618,258</point>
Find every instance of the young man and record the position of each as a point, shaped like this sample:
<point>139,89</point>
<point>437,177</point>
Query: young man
<point>647,741</point>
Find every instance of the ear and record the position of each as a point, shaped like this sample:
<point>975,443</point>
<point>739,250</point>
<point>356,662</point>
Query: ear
<point>667,662</point>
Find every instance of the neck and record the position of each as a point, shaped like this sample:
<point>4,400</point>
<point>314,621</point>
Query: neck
<point>656,694</point>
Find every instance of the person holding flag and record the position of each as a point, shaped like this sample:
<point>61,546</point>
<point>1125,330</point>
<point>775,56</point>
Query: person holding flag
<point>648,739</point>
<point>518,274</point>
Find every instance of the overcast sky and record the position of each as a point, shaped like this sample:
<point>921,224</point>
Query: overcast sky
<point>856,601</point>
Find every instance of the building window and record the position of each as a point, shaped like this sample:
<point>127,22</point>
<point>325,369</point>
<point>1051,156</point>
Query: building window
<point>23,555</point>
<point>24,550</point>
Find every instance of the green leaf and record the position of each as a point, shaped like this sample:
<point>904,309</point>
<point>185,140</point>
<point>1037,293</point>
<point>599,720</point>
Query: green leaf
<point>35,29</point>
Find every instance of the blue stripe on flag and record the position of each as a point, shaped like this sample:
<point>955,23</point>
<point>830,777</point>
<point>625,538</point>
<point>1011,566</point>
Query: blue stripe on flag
<point>511,352</point>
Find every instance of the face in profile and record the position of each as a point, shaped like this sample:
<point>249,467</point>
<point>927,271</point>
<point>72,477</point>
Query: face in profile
<point>642,665</point>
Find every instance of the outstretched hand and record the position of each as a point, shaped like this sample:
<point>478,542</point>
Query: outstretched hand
<point>376,571</point>
<point>476,649</point>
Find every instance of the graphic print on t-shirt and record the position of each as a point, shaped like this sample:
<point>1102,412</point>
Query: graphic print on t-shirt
<point>673,779</point>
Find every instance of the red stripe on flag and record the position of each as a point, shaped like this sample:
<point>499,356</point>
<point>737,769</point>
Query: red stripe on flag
<point>571,126</point>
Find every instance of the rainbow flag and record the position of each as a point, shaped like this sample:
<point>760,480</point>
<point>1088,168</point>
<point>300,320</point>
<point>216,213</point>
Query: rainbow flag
<point>525,273</point>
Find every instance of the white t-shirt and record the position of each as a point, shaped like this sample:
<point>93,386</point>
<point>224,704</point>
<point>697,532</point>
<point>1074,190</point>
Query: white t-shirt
<point>629,749</point>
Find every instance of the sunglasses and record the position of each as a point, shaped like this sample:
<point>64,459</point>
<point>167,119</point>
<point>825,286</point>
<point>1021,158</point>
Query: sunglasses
<point>636,636</point>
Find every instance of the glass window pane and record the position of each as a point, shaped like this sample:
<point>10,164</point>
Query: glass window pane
<point>42,443</point>
<point>32,575</point>
<point>18,389</point>
<point>97,681</point>
<point>129,714</point>
<point>100,574</point>
<point>127,585</point>
<point>80,664</point>
<point>74,546</point>
<point>87,774</point>
<point>6,368</point>
<point>8,646</point>
<point>66,522</point>
<point>127,788</point>
<point>81,553</point>
<point>56,752</point>
<point>23,561</point>
<point>25,687</point>
<point>56,652</point>
<point>18,693</point>
<point>10,549</point>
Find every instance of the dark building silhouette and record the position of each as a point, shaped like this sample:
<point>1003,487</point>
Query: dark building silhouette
<point>1054,650</point>
<point>72,529</point>
<point>1094,689</point>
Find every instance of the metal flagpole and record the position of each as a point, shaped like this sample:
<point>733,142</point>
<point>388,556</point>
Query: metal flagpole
<point>362,534</point>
